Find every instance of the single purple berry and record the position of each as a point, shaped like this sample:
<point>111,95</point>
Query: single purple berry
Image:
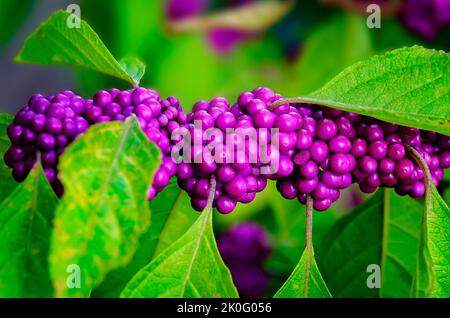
<point>404,169</point>
<point>340,144</point>
<point>309,169</point>
<point>45,141</point>
<point>340,163</point>
<point>368,164</point>
<point>378,149</point>
<point>225,205</point>
<point>304,139</point>
<point>319,151</point>
<point>237,187</point>
<point>326,129</point>
<point>396,151</point>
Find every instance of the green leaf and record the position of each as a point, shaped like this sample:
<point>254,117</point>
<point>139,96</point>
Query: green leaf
<point>180,217</point>
<point>383,231</point>
<point>190,267</point>
<point>134,67</point>
<point>165,206</point>
<point>434,252</point>
<point>104,211</point>
<point>333,43</point>
<point>433,260</point>
<point>7,182</point>
<point>25,229</point>
<point>55,43</point>
<point>408,86</point>
<point>306,280</point>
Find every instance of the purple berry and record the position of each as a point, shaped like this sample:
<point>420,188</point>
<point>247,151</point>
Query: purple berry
<point>326,129</point>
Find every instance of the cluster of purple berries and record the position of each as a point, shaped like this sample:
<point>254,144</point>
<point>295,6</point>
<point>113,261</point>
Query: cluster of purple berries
<point>48,124</point>
<point>234,158</point>
<point>45,125</point>
<point>157,118</point>
<point>320,150</point>
<point>335,148</point>
<point>244,248</point>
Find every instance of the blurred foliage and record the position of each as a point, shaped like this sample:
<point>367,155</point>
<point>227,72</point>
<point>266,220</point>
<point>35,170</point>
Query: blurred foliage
<point>12,14</point>
<point>328,50</point>
<point>297,55</point>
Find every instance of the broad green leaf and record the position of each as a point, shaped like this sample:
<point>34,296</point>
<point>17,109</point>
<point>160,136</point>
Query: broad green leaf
<point>7,183</point>
<point>134,67</point>
<point>190,267</point>
<point>25,229</point>
<point>383,231</point>
<point>408,86</point>
<point>401,231</point>
<point>433,270</point>
<point>164,206</point>
<point>180,217</point>
<point>257,16</point>
<point>333,44</point>
<point>306,280</point>
<point>104,211</point>
<point>58,41</point>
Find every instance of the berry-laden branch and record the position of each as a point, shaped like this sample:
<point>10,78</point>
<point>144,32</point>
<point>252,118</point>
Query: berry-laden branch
<point>212,192</point>
<point>308,149</point>
<point>309,222</point>
<point>309,242</point>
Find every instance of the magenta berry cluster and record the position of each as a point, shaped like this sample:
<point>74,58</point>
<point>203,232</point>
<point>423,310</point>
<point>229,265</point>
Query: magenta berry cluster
<point>320,150</point>
<point>336,148</point>
<point>238,177</point>
<point>45,125</point>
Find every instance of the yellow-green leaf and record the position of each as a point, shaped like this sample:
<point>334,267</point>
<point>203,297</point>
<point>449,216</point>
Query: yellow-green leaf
<point>104,211</point>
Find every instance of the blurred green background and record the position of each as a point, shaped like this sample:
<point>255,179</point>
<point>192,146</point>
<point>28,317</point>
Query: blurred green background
<point>297,54</point>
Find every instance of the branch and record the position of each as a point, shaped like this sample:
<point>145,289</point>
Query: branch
<point>309,221</point>
<point>212,191</point>
<point>422,164</point>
